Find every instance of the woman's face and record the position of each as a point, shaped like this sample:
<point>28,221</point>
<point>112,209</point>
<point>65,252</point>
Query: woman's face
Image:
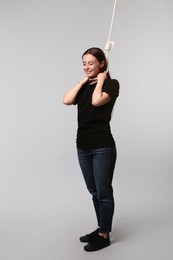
<point>91,65</point>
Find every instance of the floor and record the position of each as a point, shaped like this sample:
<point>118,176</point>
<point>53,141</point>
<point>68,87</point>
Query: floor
<point>45,226</point>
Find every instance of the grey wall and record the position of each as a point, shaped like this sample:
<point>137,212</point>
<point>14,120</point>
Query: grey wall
<point>41,43</point>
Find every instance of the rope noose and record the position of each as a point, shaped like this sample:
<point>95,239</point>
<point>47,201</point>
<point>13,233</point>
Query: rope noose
<point>110,44</point>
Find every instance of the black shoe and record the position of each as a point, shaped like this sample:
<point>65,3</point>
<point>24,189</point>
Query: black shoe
<point>97,242</point>
<point>87,238</point>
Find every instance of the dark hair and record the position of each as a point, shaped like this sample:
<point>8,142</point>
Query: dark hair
<point>99,55</point>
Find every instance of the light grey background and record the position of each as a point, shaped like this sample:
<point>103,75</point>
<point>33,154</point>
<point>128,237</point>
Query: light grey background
<point>44,205</point>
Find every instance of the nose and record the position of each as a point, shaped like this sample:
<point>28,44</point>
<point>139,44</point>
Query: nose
<point>86,67</point>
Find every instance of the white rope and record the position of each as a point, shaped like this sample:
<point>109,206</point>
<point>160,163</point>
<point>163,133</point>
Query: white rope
<point>110,44</point>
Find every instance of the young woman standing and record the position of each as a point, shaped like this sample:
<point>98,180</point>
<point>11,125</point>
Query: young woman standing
<point>95,96</point>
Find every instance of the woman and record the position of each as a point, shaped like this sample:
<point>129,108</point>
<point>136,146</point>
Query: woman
<point>95,96</point>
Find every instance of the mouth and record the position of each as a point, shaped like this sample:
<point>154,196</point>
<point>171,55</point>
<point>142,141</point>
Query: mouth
<point>88,72</point>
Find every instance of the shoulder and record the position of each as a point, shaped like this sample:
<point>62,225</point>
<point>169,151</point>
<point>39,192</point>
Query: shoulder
<point>112,82</point>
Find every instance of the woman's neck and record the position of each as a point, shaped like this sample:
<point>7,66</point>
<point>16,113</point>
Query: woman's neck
<point>92,81</point>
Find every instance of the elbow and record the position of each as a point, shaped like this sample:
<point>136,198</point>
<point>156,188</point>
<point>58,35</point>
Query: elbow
<point>96,103</point>
<point>66,102</point>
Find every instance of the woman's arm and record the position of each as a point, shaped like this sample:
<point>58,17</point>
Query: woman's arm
<point>70,97</point>
<point>99,97</point>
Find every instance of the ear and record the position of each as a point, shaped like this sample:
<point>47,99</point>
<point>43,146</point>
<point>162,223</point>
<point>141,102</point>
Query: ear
<point>102,64</point>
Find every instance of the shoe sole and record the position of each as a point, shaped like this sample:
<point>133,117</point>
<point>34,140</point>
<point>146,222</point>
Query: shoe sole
<point>95,249</point>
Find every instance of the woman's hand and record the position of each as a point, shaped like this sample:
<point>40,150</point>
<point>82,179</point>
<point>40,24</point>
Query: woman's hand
<point>102,76</point>
<point>84,80</point>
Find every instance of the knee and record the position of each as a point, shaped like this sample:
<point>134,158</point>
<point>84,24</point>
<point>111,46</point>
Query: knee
<point>106,198</point>
<point>93,192</point>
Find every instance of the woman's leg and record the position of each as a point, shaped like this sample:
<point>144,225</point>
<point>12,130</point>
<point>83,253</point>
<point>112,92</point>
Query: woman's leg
<point>103,165</point>
<point>86,163</point>
<point>97,166</point>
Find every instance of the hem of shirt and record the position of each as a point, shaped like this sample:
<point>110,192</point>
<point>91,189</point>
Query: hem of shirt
<point>78,146</point>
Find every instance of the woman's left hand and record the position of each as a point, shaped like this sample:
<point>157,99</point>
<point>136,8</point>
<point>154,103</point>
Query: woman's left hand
<point>102,76</point>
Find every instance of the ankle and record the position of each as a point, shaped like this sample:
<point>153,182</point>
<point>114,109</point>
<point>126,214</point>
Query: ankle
<point>104,235</point>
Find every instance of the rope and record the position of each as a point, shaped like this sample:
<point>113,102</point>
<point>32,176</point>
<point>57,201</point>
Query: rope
<point>110,44</point>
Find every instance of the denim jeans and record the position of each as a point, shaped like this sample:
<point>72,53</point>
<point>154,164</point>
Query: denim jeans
<point>97,166</point>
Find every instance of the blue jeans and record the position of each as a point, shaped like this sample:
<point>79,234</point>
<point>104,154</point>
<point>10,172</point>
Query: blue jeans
<point>97,166</point>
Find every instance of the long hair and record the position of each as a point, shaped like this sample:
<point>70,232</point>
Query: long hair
<point>100,56</point>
